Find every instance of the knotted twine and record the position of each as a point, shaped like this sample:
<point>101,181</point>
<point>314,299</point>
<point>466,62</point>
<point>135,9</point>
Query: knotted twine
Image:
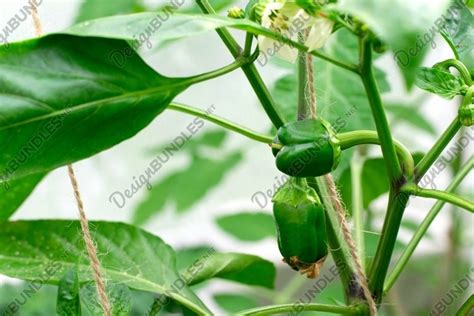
<point>91,250</point>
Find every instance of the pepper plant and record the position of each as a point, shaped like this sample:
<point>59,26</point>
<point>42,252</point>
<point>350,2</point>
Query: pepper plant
<point>70,95</point>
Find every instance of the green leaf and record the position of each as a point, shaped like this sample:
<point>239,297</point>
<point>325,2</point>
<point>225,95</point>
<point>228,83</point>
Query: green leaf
<point>202,175</point>
<point>128,255</point>
<point>232,303</point>
<point>187,257</point>
<point>14,193</point>
<point>398,23</point>
<point>250,226</point>
<point>242,268</point>
<point>69,301</point>
<point>93,9</point>
<point>76,104</point>
<point>459,30</point>
<point>439,82</point>
<point>341,97</point>
<point>119,295</point>
<point>218,6</point>
<point>409,114</point>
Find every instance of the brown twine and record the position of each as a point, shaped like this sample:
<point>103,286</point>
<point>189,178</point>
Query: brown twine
<point>334,195</point>
<point>91,250</point>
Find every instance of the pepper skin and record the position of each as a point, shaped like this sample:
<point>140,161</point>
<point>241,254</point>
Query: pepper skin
<point>301,227</point>
<point>309,148</point>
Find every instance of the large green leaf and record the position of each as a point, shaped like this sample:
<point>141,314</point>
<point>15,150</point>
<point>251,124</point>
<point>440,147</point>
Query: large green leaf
<point>198,178</point>
<point>128,255</point>
<point>69,300</point>
<point>249,226</point>
<point>62,99</point>
<point>459,30</point>
<point>341,96</point>
<point>398,23</point>
<point>14,193</point>
<point>242,268</point>
<point>92,9</point>
<point>440,82</point>
<point>41,301</point>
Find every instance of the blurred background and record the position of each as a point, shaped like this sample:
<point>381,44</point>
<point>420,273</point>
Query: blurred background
<point>216,185</point>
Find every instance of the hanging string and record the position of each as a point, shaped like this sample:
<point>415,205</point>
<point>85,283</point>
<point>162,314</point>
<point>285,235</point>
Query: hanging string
<point>335,197</point>
<point>90,247</point>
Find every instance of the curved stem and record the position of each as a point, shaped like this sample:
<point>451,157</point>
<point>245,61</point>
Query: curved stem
<point>424,165</point>
<point>249,70</point>
<point>423,228</point>
<point>373,93</point>
<point>355,138</point>
<point>221,122</point>
<point>238,63</point>
<point>287,308</point>
<point>463,71</point>
<point>451,44</point>
<point>452,198</point>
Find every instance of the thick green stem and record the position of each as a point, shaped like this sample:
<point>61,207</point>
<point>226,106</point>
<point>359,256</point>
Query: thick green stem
<point>396,205</point>
<point>361,137</point>
<point>452,198</point>
<point>293,308</point>
<point>423,228</point>
<point>221,122</point>
<point>249,70</point>
<point>424,165</point>
<point>368,78</point>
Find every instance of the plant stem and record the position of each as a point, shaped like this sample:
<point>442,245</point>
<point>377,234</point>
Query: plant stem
<point>221,122</point>
<point>361,137</point>
<point>467,307</point>
<point>368,78</point>
<point>463,71</point>
<point>291,308</point>
<point>420,232</point>
<point>424,165</point>
<point>413,189</point>
<point>396,205</point>
<point>248,44</point>
<point>357,163</point>
<point>249,70</point>
<point>451,44</point>
<point>238,63</point>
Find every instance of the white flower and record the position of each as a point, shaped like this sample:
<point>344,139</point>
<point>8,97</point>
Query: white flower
<point>287,19</point>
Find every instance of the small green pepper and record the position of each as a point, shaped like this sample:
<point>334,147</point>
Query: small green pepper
<point>301,227</point>
<point>309,148</point>
<point>466,110</point>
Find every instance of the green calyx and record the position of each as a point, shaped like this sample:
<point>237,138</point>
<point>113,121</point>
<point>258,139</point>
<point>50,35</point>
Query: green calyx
<point>466,110</point>
<point>255,8</point>
<point>301,226</point>
<point>236,13</point>
<point>309,148</point>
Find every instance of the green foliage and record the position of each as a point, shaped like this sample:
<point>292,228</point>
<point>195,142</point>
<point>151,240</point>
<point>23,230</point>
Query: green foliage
<point>134,257</point>
<point>69,301</point>
<point>440,82</point>
<point>241,268</point>
<point>248,226</point>
<point>119,296</point>
<point>205,173</point>
<point>93,9</point>
<point>346,109</point>
<point>104,104</point>
<point>411,114</point>
<point>400,25</point>
<point>14,193</point>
